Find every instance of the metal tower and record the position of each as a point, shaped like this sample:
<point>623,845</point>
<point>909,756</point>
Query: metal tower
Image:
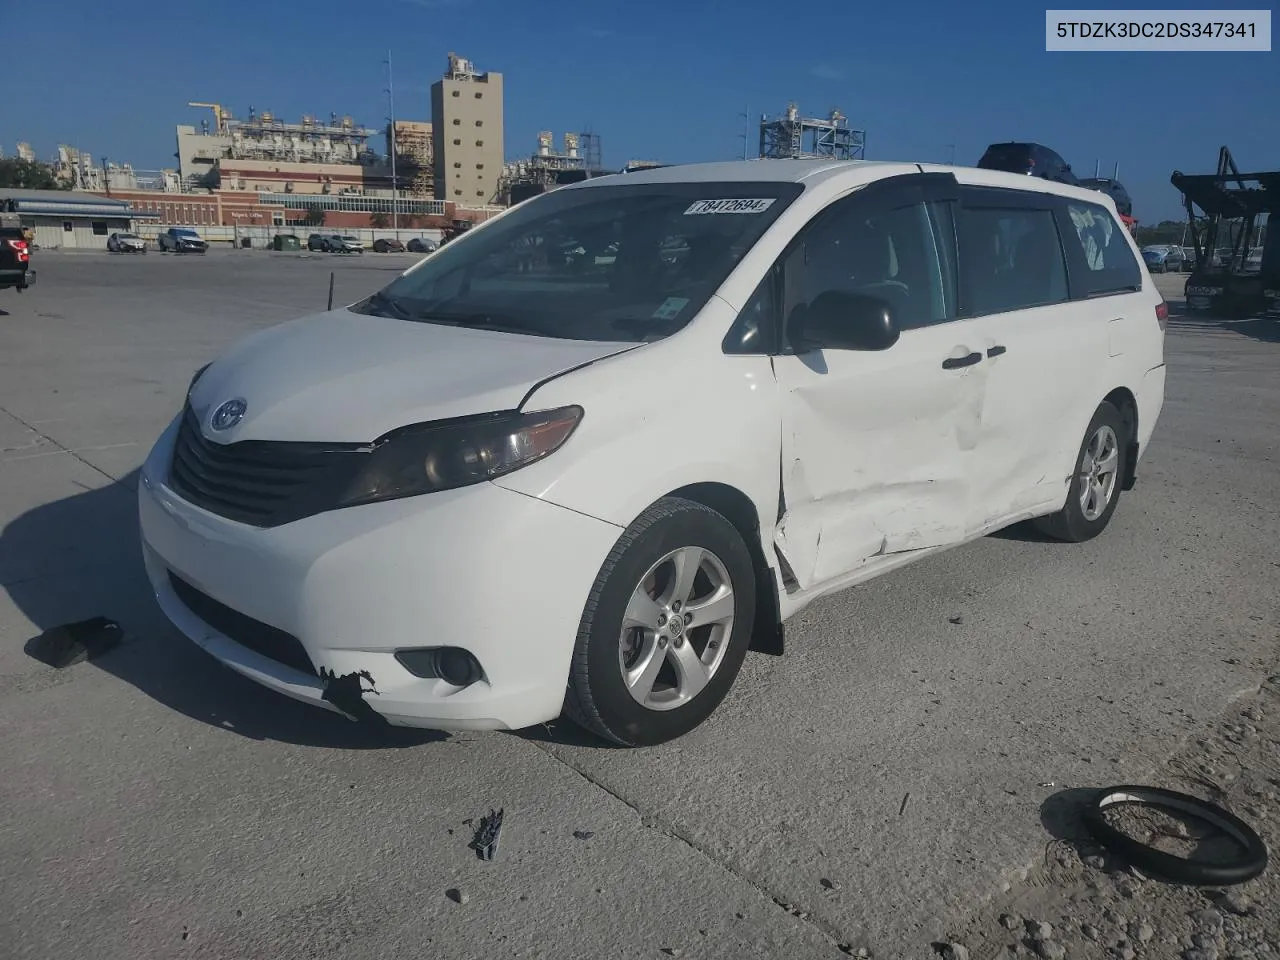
<point>793,136</point>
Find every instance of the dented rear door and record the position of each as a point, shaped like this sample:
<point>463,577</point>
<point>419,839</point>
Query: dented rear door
<point>877,447</point>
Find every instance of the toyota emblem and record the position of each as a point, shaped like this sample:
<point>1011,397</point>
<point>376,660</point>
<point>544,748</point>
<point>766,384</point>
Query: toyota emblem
<point>229,414</point>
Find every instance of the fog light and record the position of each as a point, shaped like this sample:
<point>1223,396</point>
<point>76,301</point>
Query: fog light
<point>450,664</point>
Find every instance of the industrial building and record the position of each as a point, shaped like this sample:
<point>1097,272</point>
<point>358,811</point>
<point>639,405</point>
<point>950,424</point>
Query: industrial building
<point>78,171</point>
<point>266,144</point>
<point>548,168</point>
<point>466,116</point>
<point>263,172</point>
<point>70,219</point>
<point>793,136</point>
<point>414,147</point>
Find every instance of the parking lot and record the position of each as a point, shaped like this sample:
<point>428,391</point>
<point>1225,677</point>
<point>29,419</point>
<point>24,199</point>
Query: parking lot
<point>874,787</point>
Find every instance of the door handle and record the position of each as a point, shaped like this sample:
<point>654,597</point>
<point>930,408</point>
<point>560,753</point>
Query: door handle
<point>995,351</point>
<point>951,363</point>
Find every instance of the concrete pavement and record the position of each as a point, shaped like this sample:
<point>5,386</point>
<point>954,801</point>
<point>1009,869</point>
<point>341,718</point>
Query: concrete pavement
<point>874,787</point>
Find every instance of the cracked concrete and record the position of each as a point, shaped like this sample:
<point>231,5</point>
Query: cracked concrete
<point>158,804</point>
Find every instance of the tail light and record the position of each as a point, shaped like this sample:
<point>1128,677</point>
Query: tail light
<point>1162,314</point>
<point>21,247</point>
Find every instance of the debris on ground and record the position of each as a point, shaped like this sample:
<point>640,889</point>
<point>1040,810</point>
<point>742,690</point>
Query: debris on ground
<point>457,895</point>
<point>1092,904</point>
<point>583,834</point>
<point>73,643</point>
<point>485,841</point>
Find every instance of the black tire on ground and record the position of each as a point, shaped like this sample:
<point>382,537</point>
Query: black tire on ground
<point>1070,523</point>
<point>597,697</point>
<point>1251,856</point>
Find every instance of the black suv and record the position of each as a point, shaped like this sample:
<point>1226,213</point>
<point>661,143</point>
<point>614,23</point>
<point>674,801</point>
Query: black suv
<point>15,259</point>
<point>1033,159</point>
<point>1115,189</point>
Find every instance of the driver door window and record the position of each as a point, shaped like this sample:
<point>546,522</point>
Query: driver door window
<point>886,250</point>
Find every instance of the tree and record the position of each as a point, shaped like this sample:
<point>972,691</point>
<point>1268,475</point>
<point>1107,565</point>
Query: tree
<point>380,221</point>
<point>29,175</point>
<point>1164,232</point>
<point>315,216</point>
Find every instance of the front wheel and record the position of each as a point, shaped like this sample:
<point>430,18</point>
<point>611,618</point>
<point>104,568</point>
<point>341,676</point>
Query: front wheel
<point>1097,480</point>
<point>666,626</point>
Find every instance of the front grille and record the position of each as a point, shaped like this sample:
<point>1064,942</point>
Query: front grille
<point>258,482</point>
<point>257,636</point>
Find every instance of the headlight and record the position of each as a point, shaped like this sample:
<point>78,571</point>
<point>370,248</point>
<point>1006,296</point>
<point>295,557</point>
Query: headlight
<point>430,457</point>
<point>196,376</point>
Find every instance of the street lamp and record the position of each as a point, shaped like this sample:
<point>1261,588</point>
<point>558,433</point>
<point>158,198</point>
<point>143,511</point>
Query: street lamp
<point>391,109</point>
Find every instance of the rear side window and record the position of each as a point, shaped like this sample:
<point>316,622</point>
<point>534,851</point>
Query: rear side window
<point>1010,259</point>
<point>1103,248</point>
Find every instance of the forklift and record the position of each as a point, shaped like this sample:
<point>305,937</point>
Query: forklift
<point>1231,205</point>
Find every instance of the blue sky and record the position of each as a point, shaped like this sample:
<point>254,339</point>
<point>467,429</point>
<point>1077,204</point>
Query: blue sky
<point>658,79</point>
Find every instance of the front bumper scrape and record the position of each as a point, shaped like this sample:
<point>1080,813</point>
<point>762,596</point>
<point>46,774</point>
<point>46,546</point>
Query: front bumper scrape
<point>347,694</point>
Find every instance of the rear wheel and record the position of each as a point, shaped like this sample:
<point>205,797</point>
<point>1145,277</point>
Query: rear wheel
<point>1095,486</point>
<point>666,627</point>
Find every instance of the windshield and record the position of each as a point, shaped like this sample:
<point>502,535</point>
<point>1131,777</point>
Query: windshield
<point>185,233</point>
<point>617,263</point>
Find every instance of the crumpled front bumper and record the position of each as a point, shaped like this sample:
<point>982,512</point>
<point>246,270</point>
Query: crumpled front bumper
<point>502,575</point>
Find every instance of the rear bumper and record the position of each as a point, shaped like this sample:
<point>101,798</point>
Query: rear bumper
<point>17,278</point>
<point>500,574</point>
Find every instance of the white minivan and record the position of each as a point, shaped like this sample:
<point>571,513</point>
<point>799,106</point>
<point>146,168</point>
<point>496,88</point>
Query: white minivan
<point>582,459</point>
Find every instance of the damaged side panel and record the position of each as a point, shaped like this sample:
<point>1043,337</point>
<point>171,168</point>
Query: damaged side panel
<point>877,452</point>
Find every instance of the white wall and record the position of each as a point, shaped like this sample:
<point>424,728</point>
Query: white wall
<point>50,235</point>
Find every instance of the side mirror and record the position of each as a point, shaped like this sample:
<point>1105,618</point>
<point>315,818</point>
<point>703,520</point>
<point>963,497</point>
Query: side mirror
<point>837,320</point>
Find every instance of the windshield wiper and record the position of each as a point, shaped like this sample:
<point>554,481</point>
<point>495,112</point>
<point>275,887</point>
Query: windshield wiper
<point>475,321</point>
<point>647,328</point>
<point>382,300</point>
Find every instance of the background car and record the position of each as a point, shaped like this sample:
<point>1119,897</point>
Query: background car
<point>126,243</point>
<point>1114,189</point>
<point>1032,159</point>
<point>345,243</point>
<point>181,240</point>
<point>15,259</point>
<point>318,241</point>
<point>388,245</point>
<point>421,245</point>
<point>1164,259</point>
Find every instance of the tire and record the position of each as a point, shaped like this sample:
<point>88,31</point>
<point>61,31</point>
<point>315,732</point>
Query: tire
<point>1073,524</point>
<point>598,697</point>
<point>1251,858</point>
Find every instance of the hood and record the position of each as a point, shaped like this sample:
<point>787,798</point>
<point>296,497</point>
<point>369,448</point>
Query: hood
<point>344,377</point>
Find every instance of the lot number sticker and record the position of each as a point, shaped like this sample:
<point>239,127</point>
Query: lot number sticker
<point>729,206</point>
<point>670,308</point>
